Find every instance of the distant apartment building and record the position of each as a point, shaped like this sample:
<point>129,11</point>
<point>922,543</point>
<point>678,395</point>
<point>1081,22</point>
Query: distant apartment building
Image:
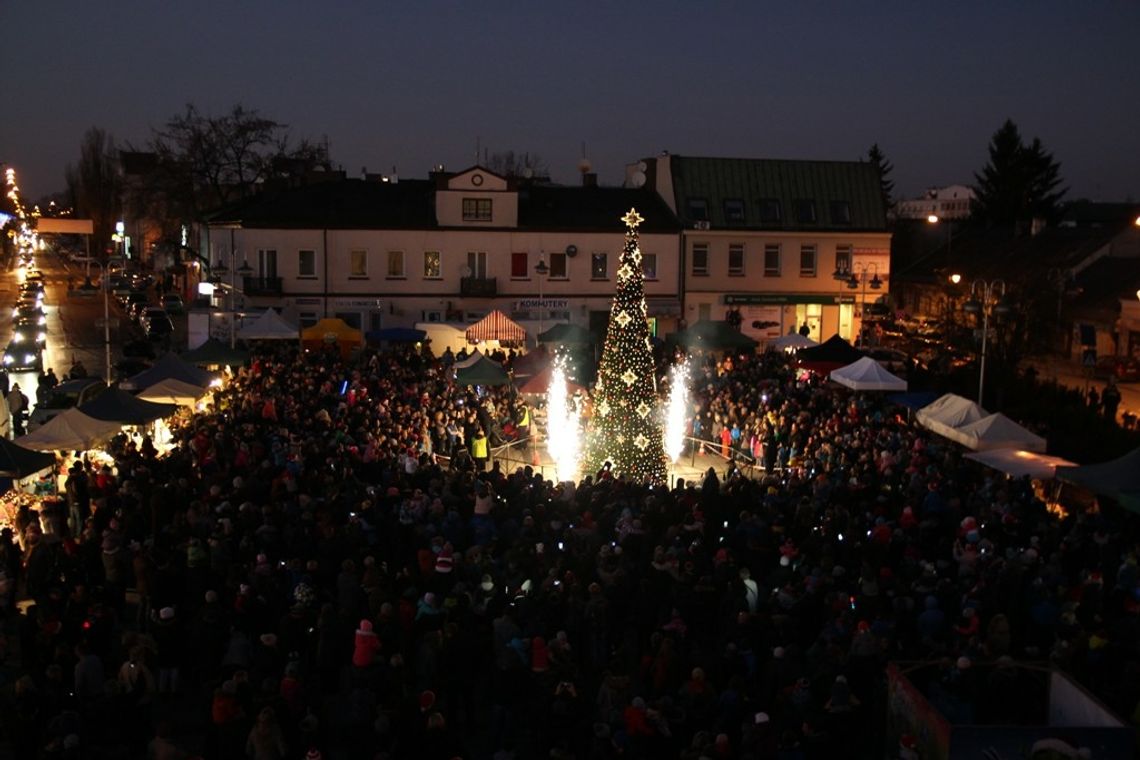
<point>786,243</point>
<point>950,202</point>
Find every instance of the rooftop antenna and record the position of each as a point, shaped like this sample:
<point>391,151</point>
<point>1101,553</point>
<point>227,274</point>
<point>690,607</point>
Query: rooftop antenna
<point>477,150</point>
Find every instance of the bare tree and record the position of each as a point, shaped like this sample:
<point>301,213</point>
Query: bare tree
<point>94,184</point>
<point>518,165</point>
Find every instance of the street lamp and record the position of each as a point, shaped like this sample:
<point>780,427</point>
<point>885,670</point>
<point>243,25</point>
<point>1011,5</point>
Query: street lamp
<point>853,282</point>
<point>541,269</point>
<point>219,269</point>
<point>993,301</point>
<point>935,219</point>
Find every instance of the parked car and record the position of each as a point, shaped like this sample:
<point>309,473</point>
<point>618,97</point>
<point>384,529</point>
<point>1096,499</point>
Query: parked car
<point>27,332</point>
<point>149,313</point>
<point>33,313</point>
<point>159,328</point>
<point>64,396</point>
<point>173,304</point>
<point>22,356</point>
<point>891,359</point>
<point>136,307</point>
<point>1125,369</point>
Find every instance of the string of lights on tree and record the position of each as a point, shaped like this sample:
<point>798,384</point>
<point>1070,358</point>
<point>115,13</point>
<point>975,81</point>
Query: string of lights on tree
<point>625,429</point>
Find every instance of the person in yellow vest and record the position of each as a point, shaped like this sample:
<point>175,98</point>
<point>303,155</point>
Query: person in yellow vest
<point>479,450</point>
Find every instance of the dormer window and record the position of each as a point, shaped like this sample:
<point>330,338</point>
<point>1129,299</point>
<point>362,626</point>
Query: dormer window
<point>840,212</point>
<point>734,211</point>
<point>698,209</point>
<point>770,211</point>
<point>805,211</point>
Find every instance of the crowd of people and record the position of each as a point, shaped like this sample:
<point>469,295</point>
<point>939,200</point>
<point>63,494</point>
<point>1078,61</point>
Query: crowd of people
<point>323,567</point>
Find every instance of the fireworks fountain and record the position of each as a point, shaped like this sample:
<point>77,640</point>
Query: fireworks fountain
<point>563,425</point>
<point>677,411</point>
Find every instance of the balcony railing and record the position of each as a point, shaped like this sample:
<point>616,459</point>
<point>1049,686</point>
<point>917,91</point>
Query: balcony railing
<point>478,286</point>
<point>261,286</point>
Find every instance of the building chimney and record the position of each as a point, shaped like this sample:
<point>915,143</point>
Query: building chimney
<point>589,179</point>
<point>364,172</point>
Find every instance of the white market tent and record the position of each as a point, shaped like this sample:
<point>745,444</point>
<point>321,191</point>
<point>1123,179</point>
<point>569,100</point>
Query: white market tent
<point>996,432</point>
<point>1018,463</point>
<point>792,341</point>
<point>866,374</point>
<point>173,391</point>
<point>71,430</point>
<point>269,326</point>
<point>949,412</point>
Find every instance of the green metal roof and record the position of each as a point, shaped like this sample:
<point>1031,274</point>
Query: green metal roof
<point>755,181</point>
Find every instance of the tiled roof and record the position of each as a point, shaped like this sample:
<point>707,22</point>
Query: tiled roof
<point>348,204</point>
<point>592,209</point>
<point>754,181</point>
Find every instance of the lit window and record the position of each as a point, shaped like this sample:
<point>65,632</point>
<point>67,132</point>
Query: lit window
<point>358,263</point>
<point>700,259</point>
<point>306,263</point>
<point>599,266</point>
<point>433,268</point>
<point>736,259</point>
<point>772,260</point>
<point>476,209</point>
<point>649,265</point>
<point>843,258</point>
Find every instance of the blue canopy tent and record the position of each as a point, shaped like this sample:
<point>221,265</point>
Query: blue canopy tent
<point>914,400</point>
<point>395,335</point>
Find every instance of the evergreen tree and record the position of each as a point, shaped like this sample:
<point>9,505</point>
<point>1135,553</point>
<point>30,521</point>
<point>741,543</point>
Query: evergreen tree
<point>883,168</point>
<point>626,427</point>
<point>1019,182</point>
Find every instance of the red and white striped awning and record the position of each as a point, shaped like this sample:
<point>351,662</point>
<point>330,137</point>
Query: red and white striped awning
<point>496,326</point>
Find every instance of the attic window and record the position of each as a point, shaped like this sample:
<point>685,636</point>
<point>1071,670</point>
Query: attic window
<point>476,209</point>
<point>770,211</point>
<point>805,211</point>
<point>698,209</point>
<point>734,211</point>
<point>841,212</point>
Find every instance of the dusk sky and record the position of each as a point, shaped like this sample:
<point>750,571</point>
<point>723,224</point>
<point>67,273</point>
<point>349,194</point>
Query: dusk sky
<point>415,84</point>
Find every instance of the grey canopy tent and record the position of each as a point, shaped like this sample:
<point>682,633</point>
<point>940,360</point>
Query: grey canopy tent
<point>170,365</point>
<point>70,431</point>
<point>1118,479</point>
<point>269,326</point>
<point>116,405</point>
<point>566,334</point>
<point>867,375</point>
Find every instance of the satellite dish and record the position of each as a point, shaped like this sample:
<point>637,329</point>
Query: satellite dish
<point>465,271</point>
<point>528,173</point>
<point>571,250</point>
<point>641,166</point>
<point>637,179</point>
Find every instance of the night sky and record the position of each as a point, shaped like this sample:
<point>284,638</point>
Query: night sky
<point>414,84</point>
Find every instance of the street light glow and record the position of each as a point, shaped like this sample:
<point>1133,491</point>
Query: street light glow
<point>932,218</point>
<point>955,278</point>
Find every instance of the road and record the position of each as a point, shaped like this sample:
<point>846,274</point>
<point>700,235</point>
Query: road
<point>1072,375</point>
<point>74,325</point>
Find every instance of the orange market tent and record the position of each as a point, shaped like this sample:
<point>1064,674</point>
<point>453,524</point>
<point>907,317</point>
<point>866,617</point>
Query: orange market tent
<point>496,326</point>
<point>332,332</point>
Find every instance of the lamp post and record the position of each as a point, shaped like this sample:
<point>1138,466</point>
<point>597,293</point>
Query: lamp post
<point>853,282</point>
<point>220,269</point>
<point>993,300</point>
<point>105,286</point>
<point>541,269</point>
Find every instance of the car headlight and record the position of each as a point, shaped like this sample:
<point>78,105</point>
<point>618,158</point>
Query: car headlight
<point>29,358</point>
<point>8,359</point>
<point>18,338</point>
<point>42,320</point>
<point>41,337</point>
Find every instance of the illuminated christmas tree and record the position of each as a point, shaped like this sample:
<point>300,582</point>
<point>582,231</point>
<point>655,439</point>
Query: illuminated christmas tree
<point>626,426</point>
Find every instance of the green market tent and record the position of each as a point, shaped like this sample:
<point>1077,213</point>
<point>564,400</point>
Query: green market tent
<point>215,353</point>
<point>566,334</point>
<point>713,335</point>
<point>482,371</point>
<point>17,462</point>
